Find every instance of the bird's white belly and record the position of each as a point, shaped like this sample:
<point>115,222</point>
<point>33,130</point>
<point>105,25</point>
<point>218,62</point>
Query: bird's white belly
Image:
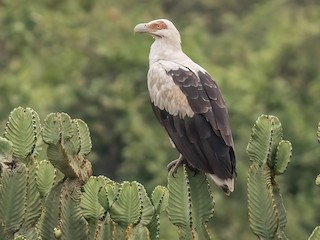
<point>165,94</point>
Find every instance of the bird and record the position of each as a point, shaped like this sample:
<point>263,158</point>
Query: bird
<point>189,105</point>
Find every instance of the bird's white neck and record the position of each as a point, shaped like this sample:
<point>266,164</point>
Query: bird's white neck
<point>161,49</point>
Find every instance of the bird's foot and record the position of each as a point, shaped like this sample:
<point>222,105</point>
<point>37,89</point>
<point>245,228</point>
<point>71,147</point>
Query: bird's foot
<point>175,164</point>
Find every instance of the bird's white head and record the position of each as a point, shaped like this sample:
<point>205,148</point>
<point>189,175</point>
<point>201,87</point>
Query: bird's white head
<point>159,29</point>
<point>167,38</point>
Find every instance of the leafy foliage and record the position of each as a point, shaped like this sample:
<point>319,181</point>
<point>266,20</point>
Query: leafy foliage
<point>270,156</point>
<point>45,177</point>
<point>191,204</point>
<point>85,207</point>
<point>72,223</point>
<point>77,206</point>
<point>283,156</point>
<point>6,148</point>
<point>12,200</point>
<point>261,202</point>
<point>33,204</point>
<point>68,145</point>
<point>22,130</point>
<point>90,206</point>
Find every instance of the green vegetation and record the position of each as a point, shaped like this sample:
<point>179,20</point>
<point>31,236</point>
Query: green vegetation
<point>81,57</point>
<point>59,199</point>
<point>270,156</point>
<point>190,204</point>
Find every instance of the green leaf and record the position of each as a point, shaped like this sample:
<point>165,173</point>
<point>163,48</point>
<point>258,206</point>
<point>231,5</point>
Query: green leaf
<point>33,201</point>
<point>190,203</point>
<point>60,159</point>
<point>276,137</point>
<point>103,199</point>
<point>37,131</point>
<point>139,232</point>
<point>113,190</point>
<point>13,191</point>
<point>154,227</point>
<point>90,206</point>
<point>107,191</point>
<point>282,215</point>
<point>315,235</point>
<point>51,129</point>
<point>85,139</point>
<point>202,204</point>
<point>160,198</point>
<point>57,153</point>
<point>75,139</point>
<point>105,229</point>
<point>50,213</point>
<point>127,208</point>
<point>179,204</point>
<point>146,206</point>
<point>263,215</point>
<point>57,127</point>
<point>22,131</point>
<point>5,148</point>
<point>265,136</point>
<point>72,224</point>
<point>64,138</point>
<point>283,156</point>
<point>66,125</point>
<point>45,177</point>
<point>120,232</point>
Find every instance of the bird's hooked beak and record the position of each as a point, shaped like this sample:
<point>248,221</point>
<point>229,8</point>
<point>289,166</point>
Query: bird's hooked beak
<point>146,28</point>
<point>141,28</point>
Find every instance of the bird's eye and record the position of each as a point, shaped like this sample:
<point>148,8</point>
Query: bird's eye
<point>158,26</point>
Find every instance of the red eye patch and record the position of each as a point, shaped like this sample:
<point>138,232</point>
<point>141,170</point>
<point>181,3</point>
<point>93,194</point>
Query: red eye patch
<point>158,25</point>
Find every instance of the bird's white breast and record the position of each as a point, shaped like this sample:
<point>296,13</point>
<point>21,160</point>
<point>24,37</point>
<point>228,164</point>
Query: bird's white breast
<point>164,93</point>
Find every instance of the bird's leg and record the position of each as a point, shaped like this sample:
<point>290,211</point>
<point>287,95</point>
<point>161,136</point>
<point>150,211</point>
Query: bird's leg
<point>175,164</point>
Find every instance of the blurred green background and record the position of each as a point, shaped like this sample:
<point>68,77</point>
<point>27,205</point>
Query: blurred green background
<point>81,57</point>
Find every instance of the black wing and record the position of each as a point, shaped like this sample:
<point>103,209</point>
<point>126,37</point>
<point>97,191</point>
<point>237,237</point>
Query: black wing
<point>205,139</point>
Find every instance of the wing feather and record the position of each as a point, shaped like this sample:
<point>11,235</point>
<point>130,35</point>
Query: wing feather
<point>205,98</point>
